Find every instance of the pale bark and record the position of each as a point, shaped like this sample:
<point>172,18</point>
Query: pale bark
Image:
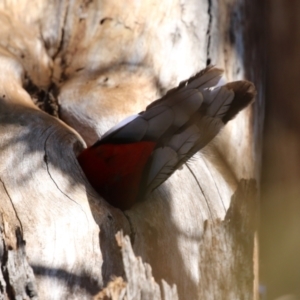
<point>105,60</point>
<point>140,283</point>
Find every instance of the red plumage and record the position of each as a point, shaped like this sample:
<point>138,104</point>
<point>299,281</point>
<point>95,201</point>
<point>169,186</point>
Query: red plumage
<point>115,170</point>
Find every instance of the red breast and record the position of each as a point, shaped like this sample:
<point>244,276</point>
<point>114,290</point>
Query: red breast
<point>115,170</point>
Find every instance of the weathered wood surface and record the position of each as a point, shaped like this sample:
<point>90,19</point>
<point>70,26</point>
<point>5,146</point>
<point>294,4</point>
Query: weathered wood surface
<point>139,283</point>
<point>104,60</point>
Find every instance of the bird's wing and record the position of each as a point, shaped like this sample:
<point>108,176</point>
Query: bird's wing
<point>182,122</point>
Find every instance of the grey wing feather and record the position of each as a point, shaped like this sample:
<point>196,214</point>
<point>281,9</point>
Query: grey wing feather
<point>218,100</point>
<point>158,124</point>
<point>163,162</point>
<point>183,142</point>
<point>133,131</point>
<point>119,125</point>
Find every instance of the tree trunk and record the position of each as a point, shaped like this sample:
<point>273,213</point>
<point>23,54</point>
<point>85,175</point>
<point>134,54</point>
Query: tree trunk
<point>280,222</point>
<point>92,63</point>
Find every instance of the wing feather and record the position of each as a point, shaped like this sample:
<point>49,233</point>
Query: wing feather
<point>159,124</point>
<point>163,161</point>
<point>133,131</point>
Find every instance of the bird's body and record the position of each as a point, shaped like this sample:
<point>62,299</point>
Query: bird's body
<point>141,152</point>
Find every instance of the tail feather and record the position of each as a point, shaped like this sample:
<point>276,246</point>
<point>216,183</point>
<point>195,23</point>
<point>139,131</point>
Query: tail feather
<point>244,93</point>
<point>217,101</point>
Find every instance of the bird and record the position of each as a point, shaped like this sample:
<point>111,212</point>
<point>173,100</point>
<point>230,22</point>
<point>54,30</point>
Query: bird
<point>141,152</point>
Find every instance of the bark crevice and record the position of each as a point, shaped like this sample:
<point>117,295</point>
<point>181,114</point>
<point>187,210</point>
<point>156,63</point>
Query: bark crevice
<point>208,32</point>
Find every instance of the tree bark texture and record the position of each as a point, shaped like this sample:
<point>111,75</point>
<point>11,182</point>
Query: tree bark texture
<point>91,64</point>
